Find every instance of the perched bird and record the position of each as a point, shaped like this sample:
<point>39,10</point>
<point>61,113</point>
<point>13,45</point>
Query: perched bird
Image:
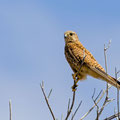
<point>75,52</point>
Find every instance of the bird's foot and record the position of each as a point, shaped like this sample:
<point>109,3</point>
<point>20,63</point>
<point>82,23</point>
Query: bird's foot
<point>75,81</point>
<point>74,76</point>
<point>74,87</point>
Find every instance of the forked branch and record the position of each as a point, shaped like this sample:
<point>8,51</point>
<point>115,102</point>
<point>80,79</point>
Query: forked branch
<point>70,110</point>
<point>99,99</point>
<point>46,99</point>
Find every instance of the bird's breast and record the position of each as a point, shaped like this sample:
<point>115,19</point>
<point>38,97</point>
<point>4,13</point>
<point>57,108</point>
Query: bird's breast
<point>72,59</point>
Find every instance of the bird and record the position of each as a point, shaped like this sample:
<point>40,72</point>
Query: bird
<point>83,62</point>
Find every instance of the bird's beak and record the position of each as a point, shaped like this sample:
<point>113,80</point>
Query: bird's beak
<point>65,35</point>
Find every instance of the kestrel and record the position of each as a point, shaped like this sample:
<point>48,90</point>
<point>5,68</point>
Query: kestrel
<point>75,52</point>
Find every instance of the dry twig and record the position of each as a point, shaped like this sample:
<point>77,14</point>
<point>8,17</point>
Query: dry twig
<point>94,100</point>
<point>46,99</point>
<point>49,94</point>
<point>68,106</point>
<point>76,110</point>
<point>112,117</point>
<point>115,115</point>
<point>102,95</point>
<point>70,110</point>
<point>106,98</point>
<point>10,109</point>
<point>116,73</point>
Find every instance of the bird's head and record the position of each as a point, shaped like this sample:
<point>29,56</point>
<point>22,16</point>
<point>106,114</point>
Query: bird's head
<point>70,36</point>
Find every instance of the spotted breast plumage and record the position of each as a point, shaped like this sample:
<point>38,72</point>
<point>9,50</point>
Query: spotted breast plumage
<point>75,52</point>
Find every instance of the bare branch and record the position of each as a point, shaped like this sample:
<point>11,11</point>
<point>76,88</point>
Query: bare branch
<point>49,94</point>
<point>93,93</point>
<point>116,73</point>
<point>112,117</point>
<point>97,95</point>
<point>115,113</point>
<point>68,106</point>
<point>105,48</point>
<point>10,109</point>
<point>94,100</point>
<point>76,110</point>
<point>73,100</point>
<point>42,88</point>
<point>102,95</point>
<point>106,101</point>
<point>105,57</point>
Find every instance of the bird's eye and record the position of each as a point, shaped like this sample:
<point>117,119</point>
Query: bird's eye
<point>71,34</point>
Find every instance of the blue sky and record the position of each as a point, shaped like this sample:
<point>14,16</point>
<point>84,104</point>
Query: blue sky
<point>32,51</point>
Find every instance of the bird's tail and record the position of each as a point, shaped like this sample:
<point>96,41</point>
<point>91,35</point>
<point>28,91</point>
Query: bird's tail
<point>112,81</point>
<point>104,76</point>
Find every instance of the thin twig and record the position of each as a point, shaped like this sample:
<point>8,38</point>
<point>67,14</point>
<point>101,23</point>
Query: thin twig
<point>76,110</point>
<point>108,45</point>
<point>115,113</point>
<point>104,104</point>
<point>42,88</point>
<point>97,95</point>
<point>102,95</point>
<point>94,100</point>
<point>106,98</point>
<point>49,94</point>
<point>68,106</point>
<point>112,117</point>
<point>116,73</point>
<point>73,100</point>
<point>10,109</point>
<point>105,57</point>
<point>93,93</point>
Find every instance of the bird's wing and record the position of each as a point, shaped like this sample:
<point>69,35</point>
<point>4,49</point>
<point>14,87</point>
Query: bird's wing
<point>99,71</point>
<point>79,52</point>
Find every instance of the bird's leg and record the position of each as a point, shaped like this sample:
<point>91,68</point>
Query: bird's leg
<point>74,76</point>
<point>76,79</point>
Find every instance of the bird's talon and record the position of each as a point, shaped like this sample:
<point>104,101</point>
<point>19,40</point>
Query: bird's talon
<point>73,90</point>
<point>74,87</point>
<point>74,76</point>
